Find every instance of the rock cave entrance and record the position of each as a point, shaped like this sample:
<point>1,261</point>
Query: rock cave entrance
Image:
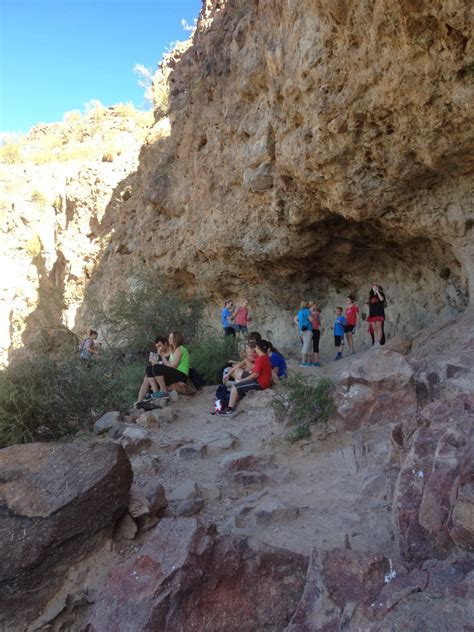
<point>420,275</point>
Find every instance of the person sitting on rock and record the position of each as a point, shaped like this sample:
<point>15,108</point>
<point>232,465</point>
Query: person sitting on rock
<point>278,362</point>
<point>227,318</point>
<point>149,384</point>
<point>235,368</point>
<point>89,349</point>
<point>240,370</point>
<point>173,370</point>
<point>259,379</point>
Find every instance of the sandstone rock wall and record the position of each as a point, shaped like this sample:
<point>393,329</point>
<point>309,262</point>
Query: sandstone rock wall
<point>301,149</point>
<point>310,148</point>
<point>52,205</point>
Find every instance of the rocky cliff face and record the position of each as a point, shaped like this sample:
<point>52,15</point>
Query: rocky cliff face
<point>310,148</point>
<point>55,188</point>
<point>301,149</point>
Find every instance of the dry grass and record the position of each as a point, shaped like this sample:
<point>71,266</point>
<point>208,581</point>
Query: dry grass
<point>82,136</point>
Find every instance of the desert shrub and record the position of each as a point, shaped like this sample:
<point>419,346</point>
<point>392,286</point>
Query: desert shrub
<point>211,353</point>
<point>10,153</point>
<point>38,197</point>
<point>306,400</point>
<point>34,245</point>
<point>47,399</point>
<point>125,110</point>
<point>150,307</point>
<point>299,433</point>
<point>72,116</point>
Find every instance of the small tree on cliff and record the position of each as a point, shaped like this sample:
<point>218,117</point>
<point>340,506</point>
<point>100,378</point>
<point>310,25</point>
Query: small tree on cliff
<point>147,308</point>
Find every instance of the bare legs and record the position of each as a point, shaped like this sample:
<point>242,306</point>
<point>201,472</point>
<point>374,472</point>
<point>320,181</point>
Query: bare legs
<point>350,341</point>
<point>234,397</point>
<point>148,382</point>
<point>377,331</point>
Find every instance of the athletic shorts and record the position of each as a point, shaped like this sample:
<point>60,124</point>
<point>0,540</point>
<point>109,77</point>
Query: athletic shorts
<point>349,329</point>
<point>245,387</point>
<point>338,341</point>
<point>316,336</point>
<point>375,319</point>
<point>307,338</point>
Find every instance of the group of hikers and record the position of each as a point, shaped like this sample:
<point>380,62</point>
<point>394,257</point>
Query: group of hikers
<point>235,319</point>
<point>346,322</point>
<point>169,367</point>
<point>260,364</point>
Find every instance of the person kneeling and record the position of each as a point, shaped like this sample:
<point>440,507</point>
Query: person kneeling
<point>259,380</point>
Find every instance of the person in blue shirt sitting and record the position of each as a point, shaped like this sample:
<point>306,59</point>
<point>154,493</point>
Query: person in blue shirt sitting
<point>278,363</point>
<point>227,318</point>
<point>339,324</point>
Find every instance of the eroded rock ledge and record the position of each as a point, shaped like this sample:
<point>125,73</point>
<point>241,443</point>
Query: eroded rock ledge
<point>311,147</point>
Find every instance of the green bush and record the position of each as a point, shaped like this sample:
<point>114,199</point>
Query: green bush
<point>45,399</point>
<point>151,307</point>
<point>298,433</point>
<point>210,354</point>
<point>305,400</point>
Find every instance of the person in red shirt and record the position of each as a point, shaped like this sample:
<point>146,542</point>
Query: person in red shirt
<point>259,380</point>
<point>352,321</point>
<point>242,317</point>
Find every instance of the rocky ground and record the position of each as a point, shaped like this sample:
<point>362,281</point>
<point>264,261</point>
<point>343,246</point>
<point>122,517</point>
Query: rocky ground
<point>367,525</point>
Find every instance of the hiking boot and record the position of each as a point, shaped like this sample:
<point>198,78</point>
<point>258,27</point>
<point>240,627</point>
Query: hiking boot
<point>305,364</point>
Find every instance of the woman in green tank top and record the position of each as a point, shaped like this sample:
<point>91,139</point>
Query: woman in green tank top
<point>175,369</point>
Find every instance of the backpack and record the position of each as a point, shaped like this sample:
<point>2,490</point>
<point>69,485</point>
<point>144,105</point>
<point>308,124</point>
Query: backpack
<point>197,379</point>
<point>221,399</point>
<point>82,351</point>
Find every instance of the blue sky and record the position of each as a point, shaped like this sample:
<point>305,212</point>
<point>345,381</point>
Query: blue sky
<point>55,55</point>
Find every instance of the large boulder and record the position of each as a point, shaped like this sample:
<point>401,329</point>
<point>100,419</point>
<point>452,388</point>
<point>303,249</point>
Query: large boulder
<point>57,501</point>
<point>378,387</point>
<point>335,580</point>
<point>348,590</point>
<point>433,503</point>
<point>187,578</point>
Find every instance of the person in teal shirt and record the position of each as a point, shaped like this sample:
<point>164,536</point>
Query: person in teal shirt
<point>339,324</point>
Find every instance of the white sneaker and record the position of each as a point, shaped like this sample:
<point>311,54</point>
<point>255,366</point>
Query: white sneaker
<point>173,396</point>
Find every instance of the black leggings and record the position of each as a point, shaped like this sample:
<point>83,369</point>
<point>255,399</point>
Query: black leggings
<point>316,336</point>
<point>171,375</point>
